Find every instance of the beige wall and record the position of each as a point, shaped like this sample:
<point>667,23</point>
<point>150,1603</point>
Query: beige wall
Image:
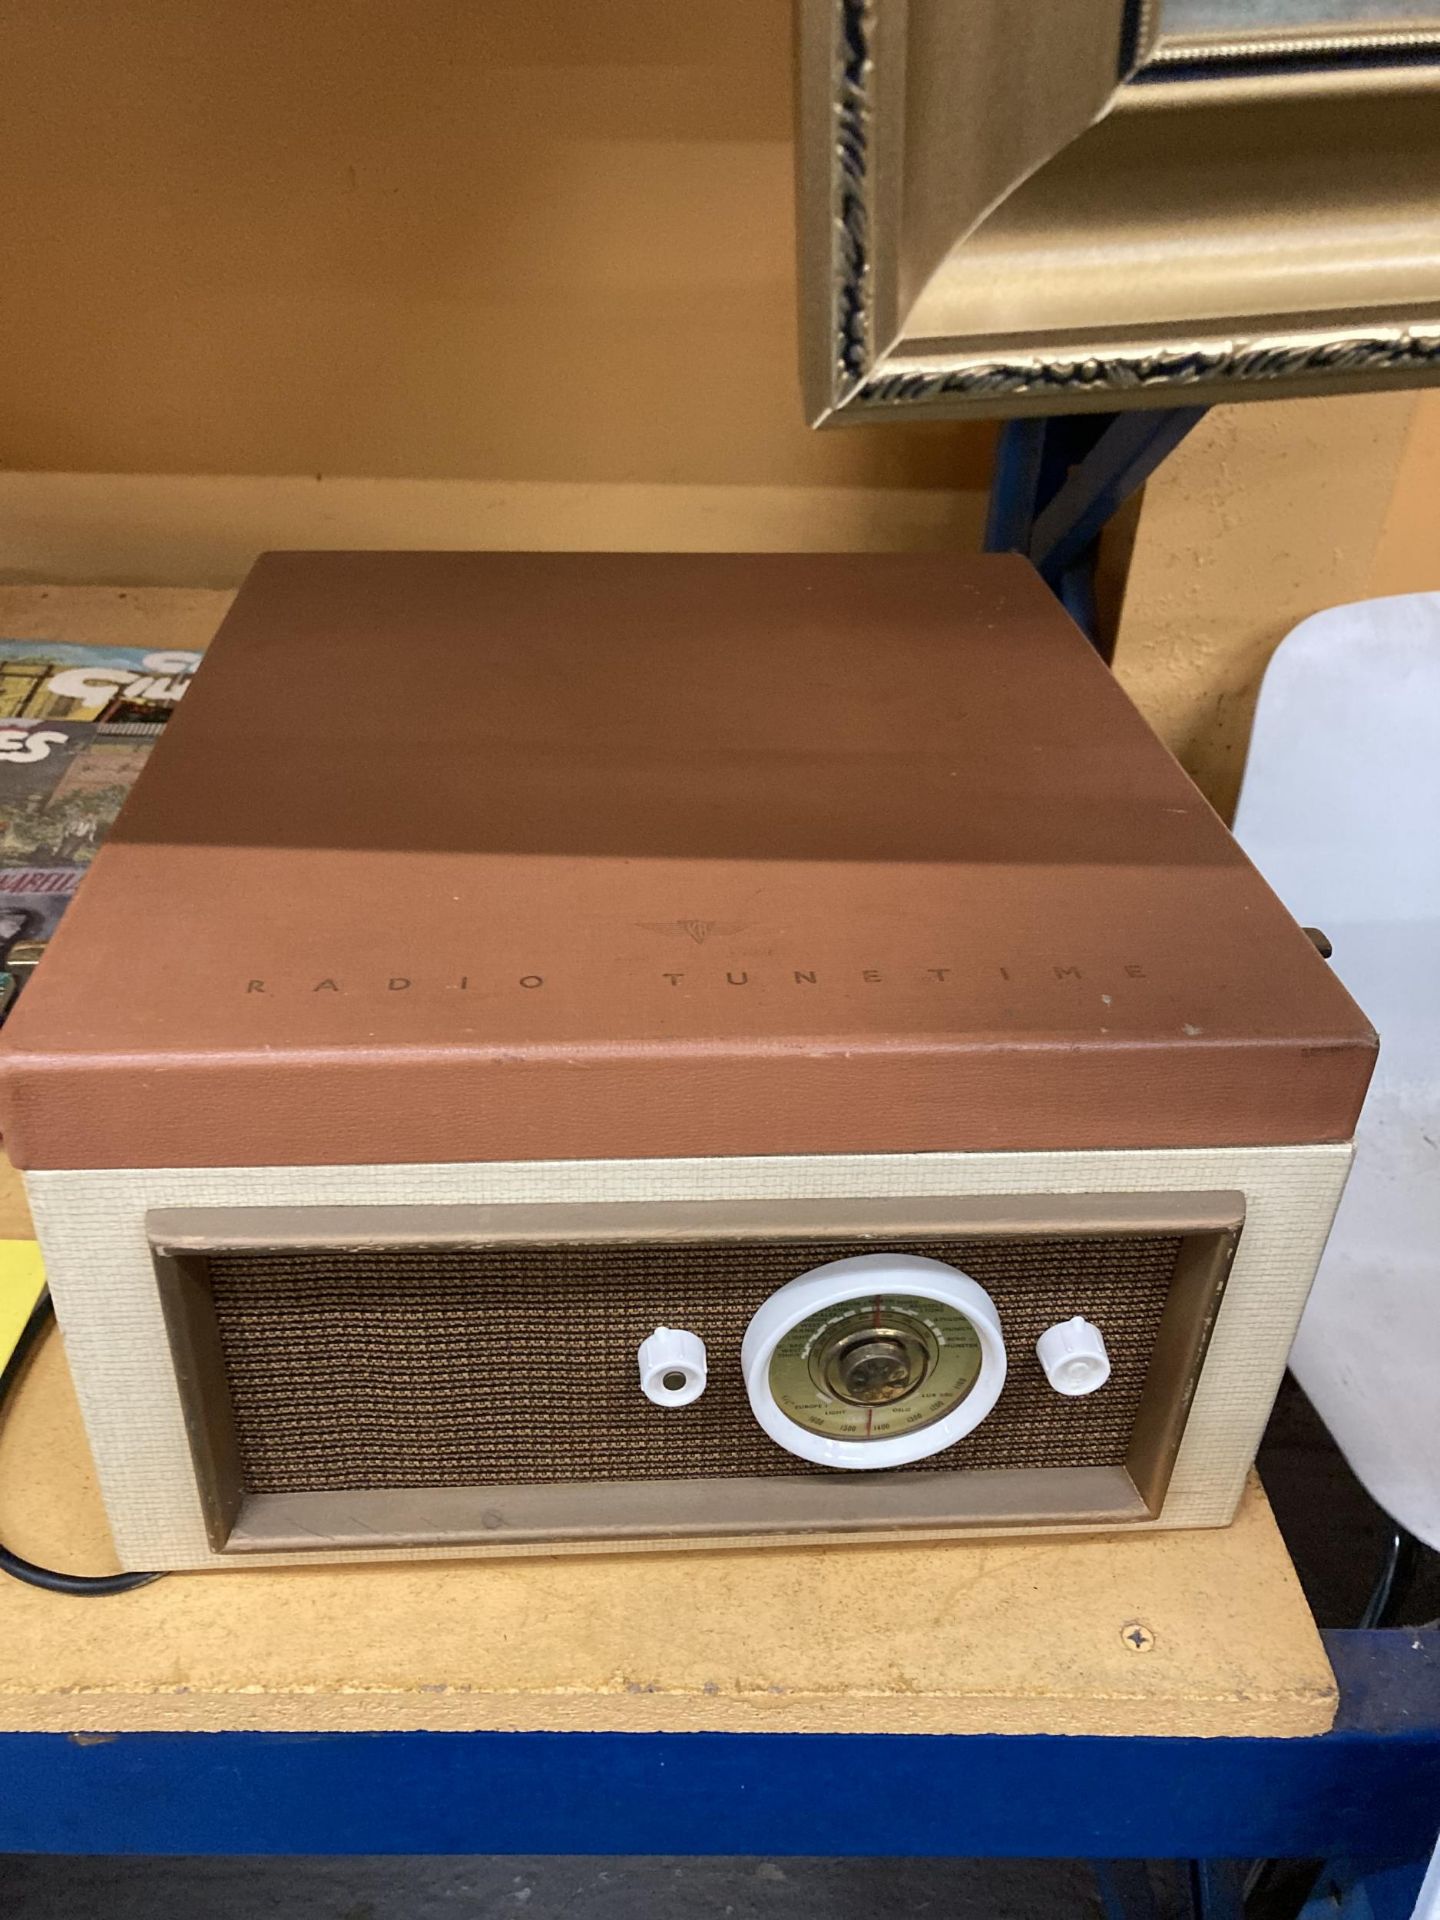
<point>518,273</point>
<point>1407,558</point>
<point>1265,515</point>
<point>530,241</point>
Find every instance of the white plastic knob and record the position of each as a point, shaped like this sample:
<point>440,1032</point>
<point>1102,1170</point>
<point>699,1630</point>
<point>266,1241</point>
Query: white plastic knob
<point>1074,1357</point>
<point>672,1367</point>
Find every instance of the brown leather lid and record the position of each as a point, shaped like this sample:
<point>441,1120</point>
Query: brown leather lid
<point>453,857</point>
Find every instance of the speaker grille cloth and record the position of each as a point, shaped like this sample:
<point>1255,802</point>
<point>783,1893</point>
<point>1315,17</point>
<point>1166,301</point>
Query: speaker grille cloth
<point>502,1366</point>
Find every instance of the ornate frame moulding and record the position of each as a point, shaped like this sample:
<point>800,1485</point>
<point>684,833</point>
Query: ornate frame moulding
<point>1045,206</point>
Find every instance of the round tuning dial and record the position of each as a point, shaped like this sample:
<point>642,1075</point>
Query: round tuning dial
<point>875,1361</point>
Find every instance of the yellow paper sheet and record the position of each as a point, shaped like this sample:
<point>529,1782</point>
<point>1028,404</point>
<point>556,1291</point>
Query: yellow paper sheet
<point>21,1277</point>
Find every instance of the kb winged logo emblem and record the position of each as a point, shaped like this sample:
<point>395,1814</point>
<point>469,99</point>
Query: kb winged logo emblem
<point>697,930</point>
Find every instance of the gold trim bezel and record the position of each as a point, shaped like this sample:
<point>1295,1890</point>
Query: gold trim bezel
<point>239,1522</point>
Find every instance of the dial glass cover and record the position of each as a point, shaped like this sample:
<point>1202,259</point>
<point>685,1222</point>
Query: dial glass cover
<point>874,1368</point>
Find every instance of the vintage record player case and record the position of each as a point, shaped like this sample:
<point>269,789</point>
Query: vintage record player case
<point>571,1051</point>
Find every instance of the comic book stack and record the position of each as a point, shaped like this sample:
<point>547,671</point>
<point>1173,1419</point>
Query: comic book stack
<point>76,725</point>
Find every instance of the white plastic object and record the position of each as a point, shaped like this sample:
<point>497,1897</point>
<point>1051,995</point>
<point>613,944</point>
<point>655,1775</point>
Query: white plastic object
<point>860,1279</point>
<point>672,1367</point>
<point>1338,811</point>
<point>1074,1358</point>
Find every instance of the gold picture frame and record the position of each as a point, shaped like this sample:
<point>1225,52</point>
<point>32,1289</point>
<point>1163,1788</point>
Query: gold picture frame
<point>1015,207</point>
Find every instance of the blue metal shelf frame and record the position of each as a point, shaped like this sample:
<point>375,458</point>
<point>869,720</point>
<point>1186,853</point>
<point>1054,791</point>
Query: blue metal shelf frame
<point>1370,1790</point>
<point>1057,482</point>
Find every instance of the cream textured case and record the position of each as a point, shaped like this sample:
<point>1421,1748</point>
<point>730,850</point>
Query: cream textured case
<point>738,1049</point>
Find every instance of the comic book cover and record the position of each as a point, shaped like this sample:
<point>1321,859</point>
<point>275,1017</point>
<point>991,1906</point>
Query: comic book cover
<point>113,686</point>
<point>32,900</point>
<point>76,724</point>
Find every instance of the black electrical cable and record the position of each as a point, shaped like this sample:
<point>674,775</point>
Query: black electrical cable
<point>1395,1579</point>
<point>89,1585</point>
